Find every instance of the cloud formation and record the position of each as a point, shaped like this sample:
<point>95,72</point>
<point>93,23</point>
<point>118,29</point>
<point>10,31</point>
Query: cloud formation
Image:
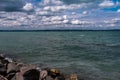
<point>28,7</point>
<point>55,14</point>
<point>107,3</point>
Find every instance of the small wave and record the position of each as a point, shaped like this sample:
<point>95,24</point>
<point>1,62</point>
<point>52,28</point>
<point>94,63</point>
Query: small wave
<point>113,45</point>
<point>107,45</point>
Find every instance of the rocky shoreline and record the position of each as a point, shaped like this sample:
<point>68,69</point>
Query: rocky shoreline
<point>13,70</point>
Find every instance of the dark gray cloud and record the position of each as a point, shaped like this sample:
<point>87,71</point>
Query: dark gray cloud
<point>11,5</point>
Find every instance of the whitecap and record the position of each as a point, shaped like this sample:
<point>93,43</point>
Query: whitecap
<point>113,45</point>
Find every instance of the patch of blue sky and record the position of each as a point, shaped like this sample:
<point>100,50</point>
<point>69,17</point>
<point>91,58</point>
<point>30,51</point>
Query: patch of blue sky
<point>114,8</point>
<point>116,1</point>
<point>33,0</point>
<point>38,0</point>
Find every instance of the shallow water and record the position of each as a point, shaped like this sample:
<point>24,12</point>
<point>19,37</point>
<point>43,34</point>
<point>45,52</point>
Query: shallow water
<point>94,55</point>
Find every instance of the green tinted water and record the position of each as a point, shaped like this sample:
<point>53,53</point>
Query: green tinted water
<point>94,55</point>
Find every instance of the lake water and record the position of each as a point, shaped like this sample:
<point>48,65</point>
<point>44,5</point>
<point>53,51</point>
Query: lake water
<point>93,55</point>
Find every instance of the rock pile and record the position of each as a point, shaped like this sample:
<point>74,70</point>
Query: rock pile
<point>12,70</point>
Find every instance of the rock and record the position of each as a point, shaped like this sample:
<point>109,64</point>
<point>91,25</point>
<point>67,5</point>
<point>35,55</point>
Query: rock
<point>73,77</point>
<point>31,74</point>
<point>19,76</point>
<point>49,78</point>
<point>43,74</point>
<point>3,69</point>
<point>3,78</point>
<point>11,67</point>
<point>26,68</point>
<point>12,70</point>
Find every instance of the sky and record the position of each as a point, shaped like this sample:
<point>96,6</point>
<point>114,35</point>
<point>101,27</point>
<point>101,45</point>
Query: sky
<point>59,14</point>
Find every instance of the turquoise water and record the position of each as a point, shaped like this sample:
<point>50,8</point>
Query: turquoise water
<point>93,55</point>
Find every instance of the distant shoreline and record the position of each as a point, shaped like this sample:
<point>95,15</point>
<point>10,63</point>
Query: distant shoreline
<point>52,30</point>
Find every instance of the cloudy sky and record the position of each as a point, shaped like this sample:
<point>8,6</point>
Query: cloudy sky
<point>59,14</point>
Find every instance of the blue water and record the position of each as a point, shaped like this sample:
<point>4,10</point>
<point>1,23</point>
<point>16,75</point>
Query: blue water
<point>93,55</point>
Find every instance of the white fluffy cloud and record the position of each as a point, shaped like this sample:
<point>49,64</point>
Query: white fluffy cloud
<point>118,10</point>
<point>28,7</point>
<point>106,3</point>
